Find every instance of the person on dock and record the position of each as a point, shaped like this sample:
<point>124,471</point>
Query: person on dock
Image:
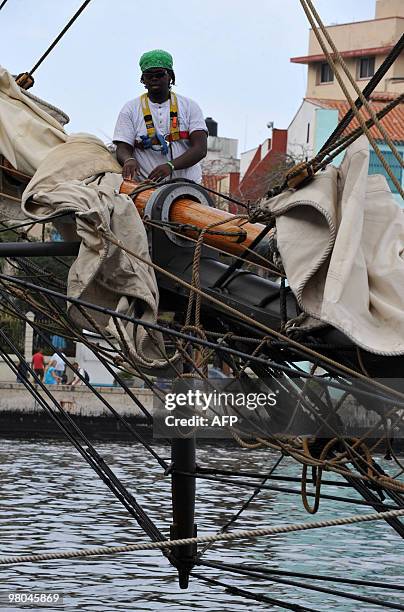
<point>59,364</point>
<point>38,364</point>
<point>160,135</point>
<point>51,377</point>
<point>22,371</point>
<point>77,380</point>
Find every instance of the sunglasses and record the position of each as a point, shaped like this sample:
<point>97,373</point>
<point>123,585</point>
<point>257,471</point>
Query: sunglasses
<point>157,74</point>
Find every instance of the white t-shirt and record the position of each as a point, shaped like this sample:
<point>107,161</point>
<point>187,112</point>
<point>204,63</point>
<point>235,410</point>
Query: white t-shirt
<point>130,126</point>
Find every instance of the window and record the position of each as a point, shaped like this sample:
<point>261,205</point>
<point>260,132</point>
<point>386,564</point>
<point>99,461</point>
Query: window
<point>326,74</point>
<point>366,67</point>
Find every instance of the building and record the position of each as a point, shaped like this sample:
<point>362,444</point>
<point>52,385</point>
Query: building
<point>221,166</point>
<point>261,167</point>
<point>364,45</point>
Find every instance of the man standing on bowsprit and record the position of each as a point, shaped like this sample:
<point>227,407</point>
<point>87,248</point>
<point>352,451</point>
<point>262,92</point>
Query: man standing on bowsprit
<point>160,135</point>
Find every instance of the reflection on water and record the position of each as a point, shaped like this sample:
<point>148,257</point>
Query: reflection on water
<point>52,501</point>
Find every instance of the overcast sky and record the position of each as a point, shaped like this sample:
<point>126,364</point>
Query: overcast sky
<point>231,56</point>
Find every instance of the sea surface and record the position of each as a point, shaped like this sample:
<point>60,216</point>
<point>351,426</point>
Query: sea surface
<point>51,500</point>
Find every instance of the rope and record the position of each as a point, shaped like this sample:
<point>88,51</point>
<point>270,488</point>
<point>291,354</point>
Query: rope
<point>287,448</point>
<point>166,226</point>
<point>297,455</point>
<point>338,146</point>
<point>255,596</point>
<point>222,537</point>
<point>257,324</point>
<point>82,444</point>
<point>9,197</point>
<point>374,81</point>
<point>256,573</point>
<point>246,503</point>
<point>317,471</point>
<point>7,228</point>
<point>2,4</point>
<point>362,98</point>
<point>62,33</point>
<point>302,457</point>
<point>25,296</point>
<point>306,4</point>
<point>195,282</point>
<point>195,299</point>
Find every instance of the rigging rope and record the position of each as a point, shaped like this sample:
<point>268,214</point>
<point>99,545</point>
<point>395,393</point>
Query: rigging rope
<point>198,297</point>
<point>294,452</point>
<point>306,4</point>
<point>55,42</point>
<point>222,537</point>
<point>381,71</point>
<point>255,596</point>
<point>218,347</point>
<point>297,456</point>
<point>89,453</point>
<point>256,573</point>
<point>362,98</point>
<point>336,147</point>
<point>257,324</point>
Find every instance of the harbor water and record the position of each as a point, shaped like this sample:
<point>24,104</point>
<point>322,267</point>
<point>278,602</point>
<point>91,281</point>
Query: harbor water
<point>51,501</point>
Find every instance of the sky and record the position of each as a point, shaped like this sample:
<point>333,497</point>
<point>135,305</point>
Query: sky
<point>231,56</point>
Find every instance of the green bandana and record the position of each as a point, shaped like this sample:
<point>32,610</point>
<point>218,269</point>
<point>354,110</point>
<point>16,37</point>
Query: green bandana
<point>156,59</point>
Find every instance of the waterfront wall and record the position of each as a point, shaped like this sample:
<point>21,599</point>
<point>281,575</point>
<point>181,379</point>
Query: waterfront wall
<point>21,416</point>
<point>78,400</point>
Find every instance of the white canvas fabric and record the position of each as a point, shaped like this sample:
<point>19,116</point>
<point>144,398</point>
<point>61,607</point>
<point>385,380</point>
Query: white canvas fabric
<point>27,131</point>
<point>78,174</point>
<point>130,126</point>
<point>102,274</point>
<point>341,239</point>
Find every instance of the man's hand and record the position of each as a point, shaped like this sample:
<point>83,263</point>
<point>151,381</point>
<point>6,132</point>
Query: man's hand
<point>130,169</point>
<point>160,172</point>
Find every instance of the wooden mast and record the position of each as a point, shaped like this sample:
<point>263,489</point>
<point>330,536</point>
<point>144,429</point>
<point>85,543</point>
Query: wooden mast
<point>188,212</point>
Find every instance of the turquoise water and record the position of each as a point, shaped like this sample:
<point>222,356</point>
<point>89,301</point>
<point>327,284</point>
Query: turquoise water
<point>51,500</point>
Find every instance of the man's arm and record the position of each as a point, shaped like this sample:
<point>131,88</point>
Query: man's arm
<point>124,154</point>
<point>75,381</point>
<point>197,151</point>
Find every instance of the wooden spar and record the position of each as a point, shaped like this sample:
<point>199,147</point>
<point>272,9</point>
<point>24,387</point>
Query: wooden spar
<point>183,211</point>
<point>189,212</point>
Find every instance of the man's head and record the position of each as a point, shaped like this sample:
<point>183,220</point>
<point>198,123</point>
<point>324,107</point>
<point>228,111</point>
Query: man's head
<point>157,71</point>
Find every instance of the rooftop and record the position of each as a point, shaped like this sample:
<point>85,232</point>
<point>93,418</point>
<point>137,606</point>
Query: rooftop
<point>308,59</point>
<point>393,122</point>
